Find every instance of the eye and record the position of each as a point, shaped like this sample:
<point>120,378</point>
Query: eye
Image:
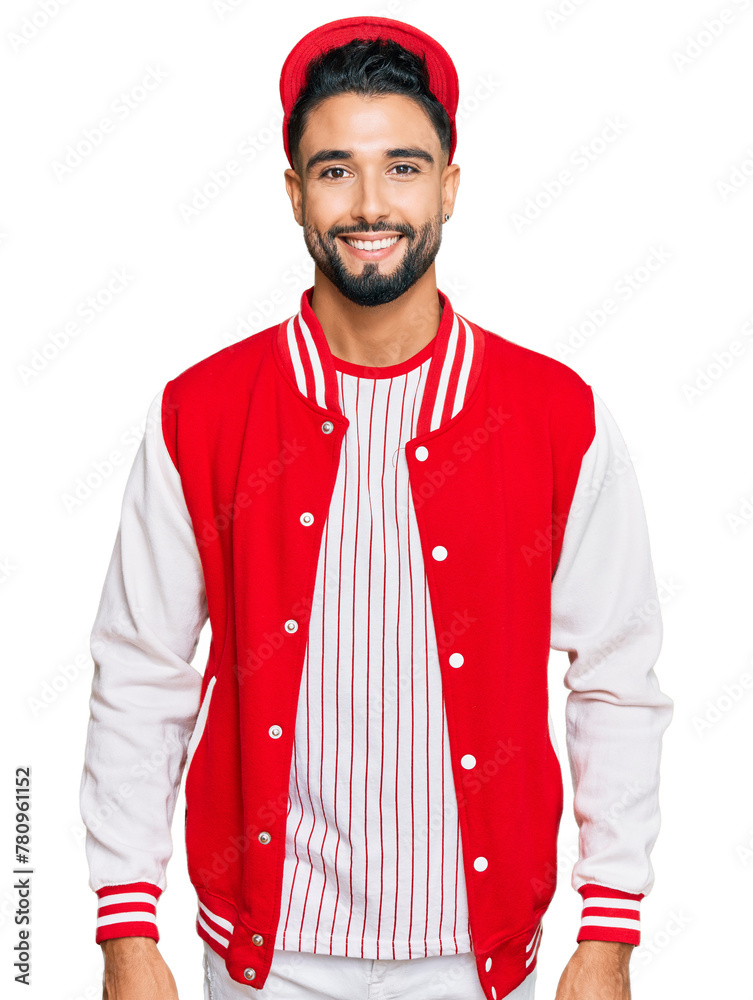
<point>327,171</point>
<point>407,165</point>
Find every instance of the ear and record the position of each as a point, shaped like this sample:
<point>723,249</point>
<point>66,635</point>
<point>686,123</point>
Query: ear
<point>449,183</point>
<point>294,188</point>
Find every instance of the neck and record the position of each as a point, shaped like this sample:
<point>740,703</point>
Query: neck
<point>377,336</point>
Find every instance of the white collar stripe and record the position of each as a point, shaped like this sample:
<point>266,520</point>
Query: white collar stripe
<point>295,356</point>
<point>316,363</point>
<point>465,367</point>
<point>444,379</point>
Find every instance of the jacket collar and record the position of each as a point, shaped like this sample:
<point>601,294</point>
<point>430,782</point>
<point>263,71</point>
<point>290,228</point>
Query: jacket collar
<point>453,371</point>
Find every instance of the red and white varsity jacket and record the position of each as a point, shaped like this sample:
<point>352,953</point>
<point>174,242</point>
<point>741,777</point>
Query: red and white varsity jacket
<point>532,533</point>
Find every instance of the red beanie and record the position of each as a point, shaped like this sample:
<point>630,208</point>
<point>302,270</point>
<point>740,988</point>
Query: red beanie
<point>443,77</point>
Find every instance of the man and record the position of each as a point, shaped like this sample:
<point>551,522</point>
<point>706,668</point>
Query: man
<point>389,515</point>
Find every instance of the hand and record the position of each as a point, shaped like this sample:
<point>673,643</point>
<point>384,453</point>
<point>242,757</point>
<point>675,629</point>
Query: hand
<point>135,970</point>
<point>597,971</point>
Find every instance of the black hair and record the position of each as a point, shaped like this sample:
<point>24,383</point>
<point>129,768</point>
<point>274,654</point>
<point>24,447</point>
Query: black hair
<point>369,67</point>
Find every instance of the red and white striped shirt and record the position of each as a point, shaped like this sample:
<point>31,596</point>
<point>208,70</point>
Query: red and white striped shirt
<point>373,857</point>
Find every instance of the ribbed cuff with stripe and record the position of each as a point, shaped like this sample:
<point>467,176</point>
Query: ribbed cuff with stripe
<point>128,910</point>
<point>609,914</point>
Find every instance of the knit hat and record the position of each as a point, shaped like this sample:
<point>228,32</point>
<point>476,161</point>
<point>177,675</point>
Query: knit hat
<point>443,77</point>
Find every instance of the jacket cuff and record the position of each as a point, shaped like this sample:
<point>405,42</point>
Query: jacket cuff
<point>610,914</point>
<point>128,910</point>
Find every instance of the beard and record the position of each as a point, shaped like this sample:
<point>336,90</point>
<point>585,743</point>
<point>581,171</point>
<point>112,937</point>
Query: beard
<point>372,287</point>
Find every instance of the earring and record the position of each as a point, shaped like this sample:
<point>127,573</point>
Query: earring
<point>447,218</point>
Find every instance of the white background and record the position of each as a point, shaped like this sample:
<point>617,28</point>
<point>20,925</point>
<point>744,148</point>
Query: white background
<point>671,184</point>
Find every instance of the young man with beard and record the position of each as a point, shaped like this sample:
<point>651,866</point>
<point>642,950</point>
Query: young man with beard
<point>390,515</point>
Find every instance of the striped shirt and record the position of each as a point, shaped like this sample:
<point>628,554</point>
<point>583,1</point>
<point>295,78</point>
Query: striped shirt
<point>373,863</point>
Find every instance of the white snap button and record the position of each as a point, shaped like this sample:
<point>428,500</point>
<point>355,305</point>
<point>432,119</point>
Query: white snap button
<point>275,732</point>
<point>480,864</point>
<point>488,964</point>
<point>422,453</point>
<point>328,426</point>
<point>264,837</point>
<point>257,939</point>
<point>456,659</point>
<point>291,625</point>
<point>468,761</point>
<point>439,552</point>
<point>307,518</point>
<point>249,973</point>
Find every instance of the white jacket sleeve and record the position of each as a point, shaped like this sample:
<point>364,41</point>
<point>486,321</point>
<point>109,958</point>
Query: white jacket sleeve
<point>606,615</point>
<point>145,692</point>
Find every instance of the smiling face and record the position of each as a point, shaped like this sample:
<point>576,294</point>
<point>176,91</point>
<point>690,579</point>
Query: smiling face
<point>371,172</point>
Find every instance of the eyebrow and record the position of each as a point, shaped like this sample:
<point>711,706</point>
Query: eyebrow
<point>325,155</point>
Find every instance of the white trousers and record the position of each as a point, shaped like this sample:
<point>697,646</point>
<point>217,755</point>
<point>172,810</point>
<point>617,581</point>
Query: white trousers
<point>312,976</point>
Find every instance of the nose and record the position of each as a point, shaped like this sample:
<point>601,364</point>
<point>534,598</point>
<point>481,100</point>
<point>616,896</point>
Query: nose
<point>371,202</point>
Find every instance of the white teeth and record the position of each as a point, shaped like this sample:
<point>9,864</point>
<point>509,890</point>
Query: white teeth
<point>372,244</point>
